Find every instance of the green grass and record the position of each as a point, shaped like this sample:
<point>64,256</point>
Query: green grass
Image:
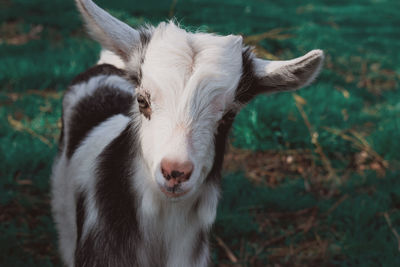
<point>323,208</point>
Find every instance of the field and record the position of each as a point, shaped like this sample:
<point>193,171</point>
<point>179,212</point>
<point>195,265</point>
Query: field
<point>311,178</point>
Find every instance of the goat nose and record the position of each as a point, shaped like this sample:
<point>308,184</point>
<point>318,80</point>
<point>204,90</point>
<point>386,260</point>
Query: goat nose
<point>176,172</point>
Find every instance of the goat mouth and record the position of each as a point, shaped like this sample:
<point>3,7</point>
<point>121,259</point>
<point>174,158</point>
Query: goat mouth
<point>174,191</point>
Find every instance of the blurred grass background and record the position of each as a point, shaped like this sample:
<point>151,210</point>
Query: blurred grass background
<point>312,177</point>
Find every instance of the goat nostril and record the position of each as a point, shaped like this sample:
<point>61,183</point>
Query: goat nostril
<point>176,174</point>
<point>178,171</point>
<point>165,174</point>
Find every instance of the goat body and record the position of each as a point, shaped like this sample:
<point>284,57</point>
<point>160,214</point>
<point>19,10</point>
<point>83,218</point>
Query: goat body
<point>137,177</point>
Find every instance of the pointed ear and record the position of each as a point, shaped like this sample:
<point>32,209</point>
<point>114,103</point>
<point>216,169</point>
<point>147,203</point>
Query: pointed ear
<point>111,33</point>
<point>279,76</point>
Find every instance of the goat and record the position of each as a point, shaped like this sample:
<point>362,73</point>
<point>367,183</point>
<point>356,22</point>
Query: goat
<point>136,181</point>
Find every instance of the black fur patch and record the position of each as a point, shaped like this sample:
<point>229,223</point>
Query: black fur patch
<point>114,241</point>
<point>80,215</point>
<point>103,69</point>
<point>61,138</point>
<point>220,140</point>
<point>91,110</point>
<point>248,86</point>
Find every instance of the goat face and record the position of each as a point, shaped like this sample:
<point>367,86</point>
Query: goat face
<point>186,84</point>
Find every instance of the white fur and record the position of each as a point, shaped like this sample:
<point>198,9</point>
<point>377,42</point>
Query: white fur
<point>63,209</point>
<point>173,222</point>
<point>108,57</point>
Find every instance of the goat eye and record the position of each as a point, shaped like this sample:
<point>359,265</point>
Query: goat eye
<point>144,106</point>
<point>142,102</point>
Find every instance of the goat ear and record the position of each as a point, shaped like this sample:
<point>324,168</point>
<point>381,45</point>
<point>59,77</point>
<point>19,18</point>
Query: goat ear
<point>279,76</point>
<point>111,33</point>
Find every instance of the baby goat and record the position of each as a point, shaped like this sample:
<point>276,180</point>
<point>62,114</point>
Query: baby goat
<point>137,178</point>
